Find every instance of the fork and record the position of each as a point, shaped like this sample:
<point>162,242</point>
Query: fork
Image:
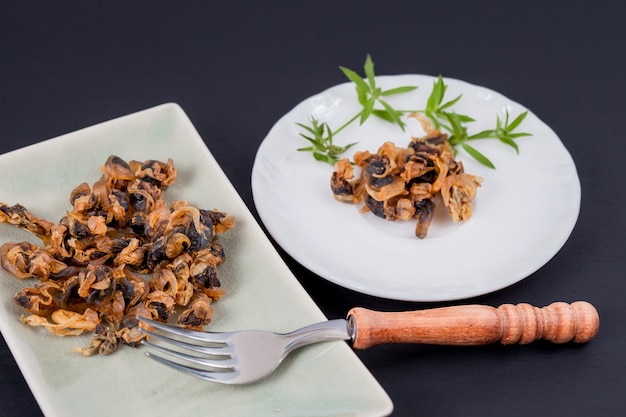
<point>243,357</point>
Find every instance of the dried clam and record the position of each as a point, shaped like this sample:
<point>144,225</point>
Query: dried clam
<point>121,252</point>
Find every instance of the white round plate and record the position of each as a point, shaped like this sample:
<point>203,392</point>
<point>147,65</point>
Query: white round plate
<point>524,211</point>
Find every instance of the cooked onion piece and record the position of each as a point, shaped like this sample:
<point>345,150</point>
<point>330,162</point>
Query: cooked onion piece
<point>91,265</point>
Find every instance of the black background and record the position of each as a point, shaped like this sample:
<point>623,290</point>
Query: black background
<point>236,67</point>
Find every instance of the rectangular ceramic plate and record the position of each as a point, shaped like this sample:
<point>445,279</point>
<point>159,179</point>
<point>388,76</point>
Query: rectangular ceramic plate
<point>321,380</point>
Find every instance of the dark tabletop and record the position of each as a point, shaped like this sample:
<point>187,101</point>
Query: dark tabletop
<point>237,67</point>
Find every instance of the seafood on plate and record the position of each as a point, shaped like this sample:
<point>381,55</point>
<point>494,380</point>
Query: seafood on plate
<point>119,253</point>
<point>404,183</point>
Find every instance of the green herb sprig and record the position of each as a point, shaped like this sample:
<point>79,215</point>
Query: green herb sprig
<point>321,138</point>
<point>437,110</point>
<point>455,124</point>
<point>369,94</point>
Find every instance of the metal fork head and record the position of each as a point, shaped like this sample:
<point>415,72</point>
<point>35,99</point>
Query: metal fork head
<point>227,358</point>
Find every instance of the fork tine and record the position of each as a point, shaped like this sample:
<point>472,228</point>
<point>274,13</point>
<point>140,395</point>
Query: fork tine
<point>221,364</point>
<point>223,351</point>
<point>209,337</point>
<point>224,377</point>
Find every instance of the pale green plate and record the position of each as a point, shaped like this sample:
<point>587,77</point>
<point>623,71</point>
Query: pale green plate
<point>322,380</point>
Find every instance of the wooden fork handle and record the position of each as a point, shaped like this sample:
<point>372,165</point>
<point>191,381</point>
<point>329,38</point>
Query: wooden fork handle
<point>468,325</point>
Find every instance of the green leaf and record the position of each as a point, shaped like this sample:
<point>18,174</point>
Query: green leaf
<point>369,71</point>
<point>464,118</point>
<point>329,137</point>
<point>395,116</point>
<point>315,142</point>
<point>362,96</point>
<point>307,128</point>
<point>518,135</point>
<point>474,153</point>
<point>458,130</point>
<point>337,150</point>
<point>440,90</point>
<point>507,140</point>
<point>498,124</point>
<point>433,118</point>
<point>398,90</point>
<point>355,78</point>
<point>324,158</point>
<point>518,120</point>
<point>436,95</point>
<point>450,103</point>
<point>482,135</point>
<point>348,146</point>
<point>367,109</point>
<point>383,115</point>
